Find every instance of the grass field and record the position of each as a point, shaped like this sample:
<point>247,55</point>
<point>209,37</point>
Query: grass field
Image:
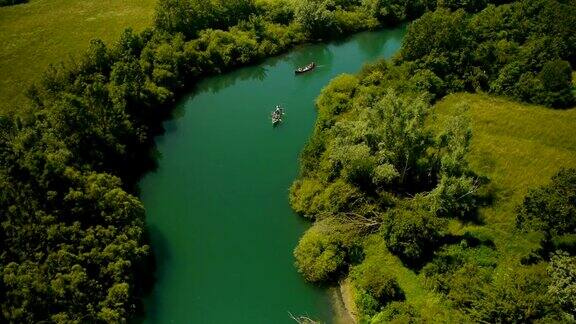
<point>517,146</point>
<point>41,32</point>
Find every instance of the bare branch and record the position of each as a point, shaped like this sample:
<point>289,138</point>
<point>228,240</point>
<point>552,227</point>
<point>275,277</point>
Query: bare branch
<point>303,319</point>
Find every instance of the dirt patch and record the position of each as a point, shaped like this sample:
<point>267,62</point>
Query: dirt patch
<point>343,302</point>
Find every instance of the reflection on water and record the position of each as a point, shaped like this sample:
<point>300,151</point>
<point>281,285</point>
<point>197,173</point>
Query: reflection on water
<point>229,79</point>
<point>320,54</point>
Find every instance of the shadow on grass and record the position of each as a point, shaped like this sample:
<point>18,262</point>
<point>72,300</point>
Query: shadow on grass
<point>468,239</point>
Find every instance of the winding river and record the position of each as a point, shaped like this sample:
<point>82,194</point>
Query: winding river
<point>217,205</point>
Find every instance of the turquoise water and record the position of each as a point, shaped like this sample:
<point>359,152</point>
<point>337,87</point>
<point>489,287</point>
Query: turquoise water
<point>217,206</point>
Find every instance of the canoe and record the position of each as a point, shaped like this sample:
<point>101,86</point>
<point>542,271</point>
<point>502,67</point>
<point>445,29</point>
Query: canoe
<point>305,69</point>
<point>277,116</point>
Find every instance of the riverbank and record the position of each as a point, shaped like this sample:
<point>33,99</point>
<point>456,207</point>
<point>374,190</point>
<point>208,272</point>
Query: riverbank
<point>342,299</point>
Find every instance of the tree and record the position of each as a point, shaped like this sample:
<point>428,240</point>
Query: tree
<point>316,16</point>
<point>552,208</point>
<point>412,234</point>
<point>468,5</point>
<point>375,287</point>
<point>387,11</point>
<point>556,78</point>
<point>191,16</point>
<point>433,34</point>
<point>516,295</point>
<point>319,254</point>
<point>184,16</point>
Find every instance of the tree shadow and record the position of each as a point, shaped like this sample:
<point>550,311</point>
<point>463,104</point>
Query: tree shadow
<point>484,198</point>
<point>223,81</point>
<point>468,239</point>
<point>146,273</point>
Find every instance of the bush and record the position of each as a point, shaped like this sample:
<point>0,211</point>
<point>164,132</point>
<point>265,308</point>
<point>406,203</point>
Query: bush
<point>556,78</point>
<point>562,270</point>
<point>412,234</point>
<point>303,194</point>
<point>375,287</point>
<point>319,255</point>
<point>516,295</point>
<point>398,312</point>
<point>552,208</point>
<point>428,81</point>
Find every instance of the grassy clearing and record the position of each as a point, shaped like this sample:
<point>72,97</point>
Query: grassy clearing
<point>41,32</point>
<point>431,305</point>
<point>518,147</point>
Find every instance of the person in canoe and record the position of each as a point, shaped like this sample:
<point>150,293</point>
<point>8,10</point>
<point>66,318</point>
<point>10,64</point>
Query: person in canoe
<point>277,115</point>
<point>305,69</point>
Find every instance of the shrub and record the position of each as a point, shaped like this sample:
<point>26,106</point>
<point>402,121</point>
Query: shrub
<point>556,78</point>
<point>398,312</point>
<point>552,208</point>
<point>516,295</point>
<point>319,255</point>
<point>375,287</point>
<point>412,234</point>
<point>562,270</point>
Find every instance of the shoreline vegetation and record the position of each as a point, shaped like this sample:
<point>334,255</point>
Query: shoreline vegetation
<point>420,200</point>
<point>74,247</point>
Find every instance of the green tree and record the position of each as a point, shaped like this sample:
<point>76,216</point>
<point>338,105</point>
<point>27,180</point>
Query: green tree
<point>412,234</point>
<point>556,78</point>
<point>319,254</point>
<point>516,295</point>
<point>191,16</point>
<point>316,16</point>
<point>552,208</point>
<point>375,287</point>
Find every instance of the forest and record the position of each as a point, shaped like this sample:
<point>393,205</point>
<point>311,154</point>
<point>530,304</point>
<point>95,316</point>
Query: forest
<point>375,176</point>
<point>383,183</point>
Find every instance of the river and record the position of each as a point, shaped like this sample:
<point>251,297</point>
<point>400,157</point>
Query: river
<point>221,228</point>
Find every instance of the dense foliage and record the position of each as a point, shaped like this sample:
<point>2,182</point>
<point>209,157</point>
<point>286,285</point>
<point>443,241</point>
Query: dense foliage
<point>551,210</point>
<point>374,164</point>
<point>562,270</point>
<point>523,50</point>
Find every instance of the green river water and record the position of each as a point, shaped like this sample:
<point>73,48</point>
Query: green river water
<point>217,207</point>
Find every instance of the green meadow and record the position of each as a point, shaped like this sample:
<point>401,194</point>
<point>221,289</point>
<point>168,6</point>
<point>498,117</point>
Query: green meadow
<point>43,32</point>
<point>518,147</point>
